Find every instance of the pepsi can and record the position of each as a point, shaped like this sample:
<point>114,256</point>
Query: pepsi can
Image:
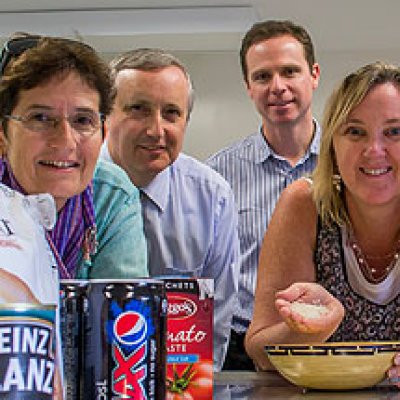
<point>125,340</point>
<point>73,308</point>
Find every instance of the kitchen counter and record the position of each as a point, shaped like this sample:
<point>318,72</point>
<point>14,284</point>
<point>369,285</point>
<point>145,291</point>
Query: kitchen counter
<point>242,385</point>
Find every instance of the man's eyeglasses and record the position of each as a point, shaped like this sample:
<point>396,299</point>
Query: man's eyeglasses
<point>85,123</point>
<point>14,48</point>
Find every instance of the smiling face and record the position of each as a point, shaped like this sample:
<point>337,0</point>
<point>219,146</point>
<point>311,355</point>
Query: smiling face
<point>279,80</point>
<point>61,163</point>
<point>367,148</point>
<point>148,122</point>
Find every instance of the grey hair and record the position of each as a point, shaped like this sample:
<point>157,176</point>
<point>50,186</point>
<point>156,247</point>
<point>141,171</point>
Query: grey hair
<point>149,59</point>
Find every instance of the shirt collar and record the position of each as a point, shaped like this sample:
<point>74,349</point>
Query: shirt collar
<point>104,152</point>
<point>314,147</point>
<point>159,188</point>
<point>263,150</point>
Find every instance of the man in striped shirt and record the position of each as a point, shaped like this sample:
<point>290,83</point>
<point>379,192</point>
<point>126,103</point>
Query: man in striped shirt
<point>280,73</point>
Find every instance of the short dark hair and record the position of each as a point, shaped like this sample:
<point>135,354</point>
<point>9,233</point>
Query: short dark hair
<point>269,29</point>
<point>149,59</point>
<point>50,57</point>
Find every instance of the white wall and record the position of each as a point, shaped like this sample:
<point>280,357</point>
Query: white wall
<point>223,113</point>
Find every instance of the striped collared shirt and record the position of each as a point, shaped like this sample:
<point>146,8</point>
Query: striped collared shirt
<point>257,176</point>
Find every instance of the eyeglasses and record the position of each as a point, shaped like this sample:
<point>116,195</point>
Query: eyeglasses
<point>85,123</point>
<point>14,48</point>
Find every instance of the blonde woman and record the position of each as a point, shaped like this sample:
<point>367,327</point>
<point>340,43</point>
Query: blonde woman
<point>334,240</point>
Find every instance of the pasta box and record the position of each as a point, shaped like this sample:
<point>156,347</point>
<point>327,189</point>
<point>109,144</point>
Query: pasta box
<point>189,338</point>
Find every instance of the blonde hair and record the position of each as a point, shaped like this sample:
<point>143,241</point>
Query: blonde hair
<point>349,94</point>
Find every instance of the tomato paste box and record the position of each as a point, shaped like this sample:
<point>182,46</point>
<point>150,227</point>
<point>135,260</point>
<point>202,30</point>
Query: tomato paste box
<point>189,338</point>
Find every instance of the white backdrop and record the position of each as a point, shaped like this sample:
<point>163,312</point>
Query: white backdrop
<point>223,113</point>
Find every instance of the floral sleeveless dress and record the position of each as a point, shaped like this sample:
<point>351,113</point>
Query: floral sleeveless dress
<point>364,320</point>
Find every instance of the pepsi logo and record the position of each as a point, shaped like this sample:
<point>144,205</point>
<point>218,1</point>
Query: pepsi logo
<point>180,307</point>
<point>130,328</point>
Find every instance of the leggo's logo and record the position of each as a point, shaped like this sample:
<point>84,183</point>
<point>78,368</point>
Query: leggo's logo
<point>181,307</point>
<point>128,333</point>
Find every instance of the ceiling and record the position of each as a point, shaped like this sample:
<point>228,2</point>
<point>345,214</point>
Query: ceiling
<point>203,25</point>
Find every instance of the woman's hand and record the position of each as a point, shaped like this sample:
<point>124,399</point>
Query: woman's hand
<point>327,313</point>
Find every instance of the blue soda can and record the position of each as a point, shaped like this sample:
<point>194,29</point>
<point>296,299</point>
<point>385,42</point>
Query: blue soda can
<point>27,351</point>
<point>73,309</point>
<point>125,340</point>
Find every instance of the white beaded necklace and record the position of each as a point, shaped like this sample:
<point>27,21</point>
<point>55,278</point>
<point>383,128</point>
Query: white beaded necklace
<point>372,274</point>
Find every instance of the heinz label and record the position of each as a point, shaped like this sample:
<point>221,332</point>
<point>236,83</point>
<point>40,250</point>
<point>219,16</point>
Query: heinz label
<point>27,362</point>
<point>189,338</point>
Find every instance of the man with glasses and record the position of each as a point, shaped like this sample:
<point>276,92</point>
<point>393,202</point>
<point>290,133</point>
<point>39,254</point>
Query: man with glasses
<point>189,216</point>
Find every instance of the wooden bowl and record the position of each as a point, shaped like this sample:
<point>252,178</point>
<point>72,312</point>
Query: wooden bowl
<point>333,366</point>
